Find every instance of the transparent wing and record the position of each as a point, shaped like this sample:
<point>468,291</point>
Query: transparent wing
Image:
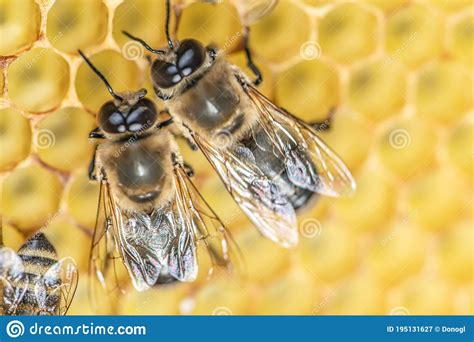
<point>310,163</point>
<point>104,253</point>
<point>258,196</point>
<point>14,281</point>
<point>55,290</point>
<point>207,228</point>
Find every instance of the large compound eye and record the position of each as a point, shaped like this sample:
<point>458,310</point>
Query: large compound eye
<point>110,119</point>
<point>141,116</point>
<point>164,74</point>
<point>191,55</point>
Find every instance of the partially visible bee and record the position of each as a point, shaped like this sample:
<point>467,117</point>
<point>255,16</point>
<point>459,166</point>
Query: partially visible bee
<point>150,213</point>
<point>34,281</point>
<point>273,163</point>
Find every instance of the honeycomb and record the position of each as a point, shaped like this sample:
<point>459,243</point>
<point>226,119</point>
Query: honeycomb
<point>399,72</point>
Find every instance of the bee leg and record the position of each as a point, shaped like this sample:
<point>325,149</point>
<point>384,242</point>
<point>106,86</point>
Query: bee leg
<point>188,169</point>
<point>91,172</point>
<point>96,134</point>
<point>164,123</point>
<point>248,54</point>
<point>321,126</point>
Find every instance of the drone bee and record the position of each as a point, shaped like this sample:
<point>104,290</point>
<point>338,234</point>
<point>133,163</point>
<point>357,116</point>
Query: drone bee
<point>150,214</point>
<point>34,281</point>
<point>274,162</point>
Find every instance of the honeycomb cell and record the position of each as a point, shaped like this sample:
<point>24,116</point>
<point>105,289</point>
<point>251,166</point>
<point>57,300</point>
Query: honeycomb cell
<point>436,200</point>
<point>327,250</point>
<point>31,190</point>
<point>428,295</point>
<point>142,18</point>
<point>61,139</point>
<point>60,233</point>
<point>82,303</point>
<point>443,92</point>
<point>388,6</point>
<point>160,300</point>
<point>293,293</point>
<point>456,253</point>
<point>282,34</point>
<point>350,137</point>
<point>211,24</point>
<point>253,246</point>
<point>12,237</point>
<point>121,73</point>
<point>398,254</point>
<point>19,26</point>
<point>251,11</point>
<point>38,80</point>
<point>82,200</point>
<point>414,34</point>
<point>407,146</point>
<point>15,138</point>
<point>371,206</point>
<point>451,6</point>
<point>377,89</point>
<point>348,32</point>
<point>309,89</point>
<point>459,147</point>
<point>76,24</point>
<point>221,297</point>
<point>461,39</point>
<point>316,3</point>
<point>357,295</point>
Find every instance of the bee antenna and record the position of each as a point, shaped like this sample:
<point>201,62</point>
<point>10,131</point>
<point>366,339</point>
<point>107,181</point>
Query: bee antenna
<point>167,28</point>
<point>101,76</point>
<point>143,43</point>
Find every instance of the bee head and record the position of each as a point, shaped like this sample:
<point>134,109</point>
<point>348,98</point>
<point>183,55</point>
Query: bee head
<point>132,113</point>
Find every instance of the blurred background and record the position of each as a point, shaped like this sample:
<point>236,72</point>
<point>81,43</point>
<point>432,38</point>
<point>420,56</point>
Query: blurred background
<point>399,73</point>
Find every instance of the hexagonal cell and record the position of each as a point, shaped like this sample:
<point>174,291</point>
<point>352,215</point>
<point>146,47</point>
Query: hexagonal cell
<point>436,200</point>
<point>309,89</point>
<point>414,34</point>
<point>455,253</point>
<point>407,147</point>
<point>377,89</point>
<point>360,294</point>
<point>15,138</point>
<point>82,200</point>
<point>61,139</point>
<point>12,237</point>
<point>348,32</point>
<point>350,137</point>
<point>293,293</point>
<point>282,34</point>
<point>31,190</point>
<point>217,24</point>
<point>330,253</point>
<point>388,6</point>
<point>399,254</point>
<point>371,207</point>
<point>451,6</point>
<point>2,81</point>
<point>221,297</point>
<point>156,301</point>
<point>122,74</point>
<point>316,3</point>
<point>461,39</point>
<point>430,295</point>
<point>19,25</point>
<point>444,92</point>
<point>255,247</point>
<point>38,80</point>
<point>75,24</point>
<point>251,11</point>
<point>142,18</point>
<point>460,148</point>
<point>60,233</point>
